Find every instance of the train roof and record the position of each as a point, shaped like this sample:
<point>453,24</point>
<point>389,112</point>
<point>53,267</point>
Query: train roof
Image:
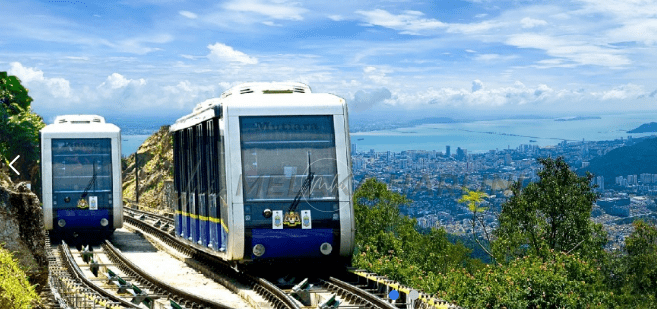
<point>80,123</point>
<point>257,98</point>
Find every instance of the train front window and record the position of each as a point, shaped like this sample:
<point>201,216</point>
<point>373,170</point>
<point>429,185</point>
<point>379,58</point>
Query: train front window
<point>279,152</point>
<point>81,164</point>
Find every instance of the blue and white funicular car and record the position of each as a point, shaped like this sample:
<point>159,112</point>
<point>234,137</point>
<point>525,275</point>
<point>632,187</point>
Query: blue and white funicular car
<point>81,174</point>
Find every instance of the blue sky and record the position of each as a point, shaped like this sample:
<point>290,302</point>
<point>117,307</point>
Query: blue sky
<point>387,58</point>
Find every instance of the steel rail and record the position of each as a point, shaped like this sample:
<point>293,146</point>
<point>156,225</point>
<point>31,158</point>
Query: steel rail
<point>77,272</point>
<point>371,301</point>
<point>129,267</point>
<point>274,295</point>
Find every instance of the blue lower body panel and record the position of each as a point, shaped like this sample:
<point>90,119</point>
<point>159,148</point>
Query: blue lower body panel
<point>291,243</point>
<point>83,219</point>
<point>178,223</point>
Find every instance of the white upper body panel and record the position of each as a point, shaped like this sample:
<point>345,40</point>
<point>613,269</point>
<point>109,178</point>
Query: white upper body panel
<point>260,99</point>
<point>80,126</point>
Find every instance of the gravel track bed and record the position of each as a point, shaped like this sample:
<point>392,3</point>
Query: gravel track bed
<point>160,264</point>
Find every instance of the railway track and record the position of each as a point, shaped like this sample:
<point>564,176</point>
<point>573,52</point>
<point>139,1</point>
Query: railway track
<point>106,279</point>
<point>70,286</point>
<point>215,268</point>
<point>362,290</point>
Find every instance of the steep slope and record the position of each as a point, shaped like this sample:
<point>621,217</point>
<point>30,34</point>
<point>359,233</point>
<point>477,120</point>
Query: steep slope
<point>155,171</point>
<point>22,234</point>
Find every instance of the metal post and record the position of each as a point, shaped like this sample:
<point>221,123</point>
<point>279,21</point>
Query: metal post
<point>136,178</point>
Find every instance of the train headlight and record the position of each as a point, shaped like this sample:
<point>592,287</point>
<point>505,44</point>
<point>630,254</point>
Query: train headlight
<point>104,222</point>
<point>266,213</point>
<point>326,248</point>
<point>61,223</point>
<point>259,250</point>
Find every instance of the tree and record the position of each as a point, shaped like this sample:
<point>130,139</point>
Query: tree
<point>388,242</point>
<point>19,127</point>
<point>474,199</point>
<point>552,214</point>
<point>641,247</point>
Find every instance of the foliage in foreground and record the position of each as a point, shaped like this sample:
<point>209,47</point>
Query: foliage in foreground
<point>552,214</point>
<point>389,244</point>
<point>19,127</point>
<point>556,281</point>
<point>633,273</point>
<point>15,290</point>
<point>551,258</point>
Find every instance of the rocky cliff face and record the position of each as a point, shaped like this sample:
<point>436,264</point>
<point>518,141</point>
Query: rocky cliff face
<point>155,172</point>
<point>22,230</point>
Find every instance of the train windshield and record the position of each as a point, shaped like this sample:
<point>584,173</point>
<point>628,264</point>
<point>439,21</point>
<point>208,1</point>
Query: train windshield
<point>279,152</point>
<point>82,164</point>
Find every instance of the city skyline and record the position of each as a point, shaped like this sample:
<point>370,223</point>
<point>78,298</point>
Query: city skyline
<point>390,58</point>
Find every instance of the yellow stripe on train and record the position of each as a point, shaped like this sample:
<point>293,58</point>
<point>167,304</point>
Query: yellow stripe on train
<point>204,218</point>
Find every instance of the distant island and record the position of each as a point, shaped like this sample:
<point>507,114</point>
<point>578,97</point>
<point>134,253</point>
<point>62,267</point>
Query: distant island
<point>645,128</point>
<point>579,118</point>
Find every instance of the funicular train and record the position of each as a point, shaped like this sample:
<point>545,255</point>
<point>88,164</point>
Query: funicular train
<point>81,176</point>
<point>262,174</point>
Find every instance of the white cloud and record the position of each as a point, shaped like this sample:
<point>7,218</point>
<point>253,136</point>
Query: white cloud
<point>336,18</point>
<point>271,24</point>
<point>627,91</point>
<point>138,45</point>
<point>414,23</point>
<point>364,100</point>
<point>37,82</point>
<point>409,22</point>
<point>621,9</point>
<point>117,81</point>
<point>481,97</point>
<point>644,31</point>
<point>494,57</point>
<point>187,94</point>
<point>220,52</point>
<point>531,23</point>
<point>191,57</point>
<point>377,75</point>
<point>474,28</point>
<point>281,10</point>
<point>578,51</point>
<point>188,14</point>
<point>78,58</point>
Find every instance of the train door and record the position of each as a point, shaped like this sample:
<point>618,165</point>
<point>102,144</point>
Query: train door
<point>193,190</point>
<point>177,167</point>
<point>186,169</point>
<point>211,159</point>
<point>202,152</point>
<point>221,177</point>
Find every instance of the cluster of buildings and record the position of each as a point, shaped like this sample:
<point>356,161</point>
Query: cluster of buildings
<point>434,181</point>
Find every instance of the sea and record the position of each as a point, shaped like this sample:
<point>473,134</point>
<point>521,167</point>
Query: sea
<point>131,143</point>
<point>482,136</point>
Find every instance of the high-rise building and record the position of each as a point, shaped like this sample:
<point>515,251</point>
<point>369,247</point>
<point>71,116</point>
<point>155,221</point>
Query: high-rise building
<point>353,149</point>
<point>632,179</point>
<point>507,159</point>
<point>447,151</point>
<point>600,181</point>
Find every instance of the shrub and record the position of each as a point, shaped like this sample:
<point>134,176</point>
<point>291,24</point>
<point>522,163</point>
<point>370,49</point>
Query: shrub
<point>15,291</point>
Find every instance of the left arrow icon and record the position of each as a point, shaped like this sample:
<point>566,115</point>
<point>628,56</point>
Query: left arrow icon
<point>12,162</point>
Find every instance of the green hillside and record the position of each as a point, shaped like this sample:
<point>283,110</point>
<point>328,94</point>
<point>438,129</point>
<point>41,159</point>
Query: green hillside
<point>636,159</point>
<point>648,127</point>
